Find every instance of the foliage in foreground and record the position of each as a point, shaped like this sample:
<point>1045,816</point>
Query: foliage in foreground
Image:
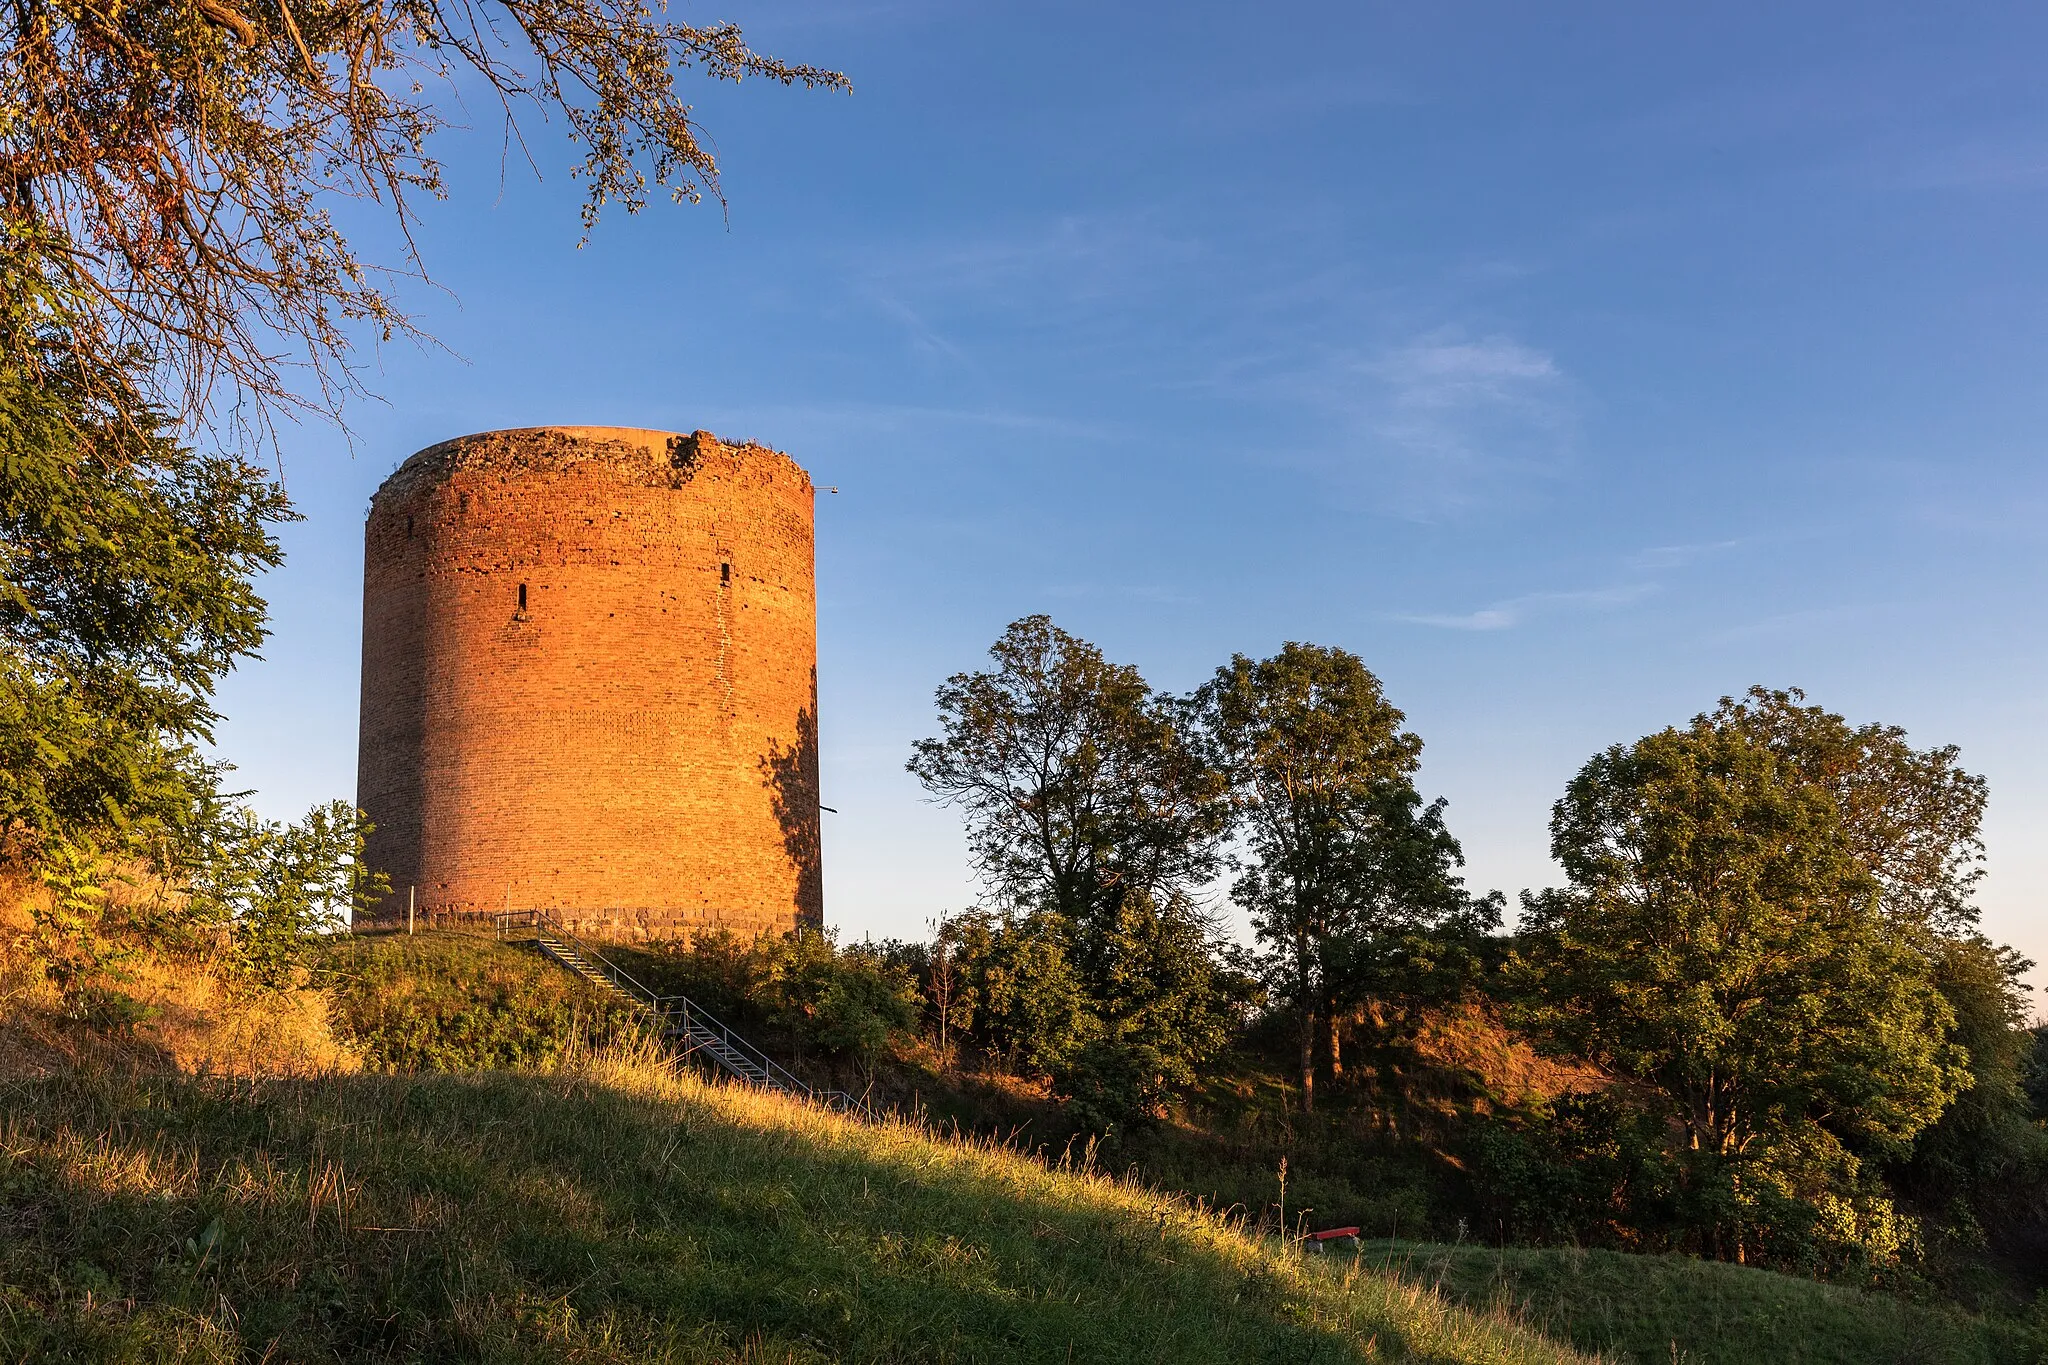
<point>171,171</point>
<point>127,568</point>
<point>126,591</point>
<point>613,1209</point>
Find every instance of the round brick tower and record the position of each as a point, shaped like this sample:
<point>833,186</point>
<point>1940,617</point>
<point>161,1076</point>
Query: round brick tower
<point>590,683</point>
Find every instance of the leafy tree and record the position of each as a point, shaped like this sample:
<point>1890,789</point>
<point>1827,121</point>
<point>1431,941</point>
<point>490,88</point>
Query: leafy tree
<point>126,592</point>
<point>1079,785</point>
<point>1164,1003</point>
<point>1725,943</point>
<point>169,172</point>
<point>1983,1166</point>
<point>2034,1072</point>
<point>1095,819</point>
<point>248,897</point>
<point>275,888</point>
<point>941,971</point>
<point>851,1001</point>
<point>1913,820</point>
<point>1349,867</point>
<point>1912,817</point>
<point>126,563</point>
<point>1114,1049</point>
<point>1018,991</point>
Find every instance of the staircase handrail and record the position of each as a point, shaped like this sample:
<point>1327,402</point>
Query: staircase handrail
<point>666,1006</point>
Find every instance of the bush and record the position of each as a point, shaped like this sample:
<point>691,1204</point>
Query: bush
<point>449,1002</point>
<point>852,1003</point>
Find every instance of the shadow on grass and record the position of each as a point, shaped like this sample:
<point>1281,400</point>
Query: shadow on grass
<point>520,1217</point>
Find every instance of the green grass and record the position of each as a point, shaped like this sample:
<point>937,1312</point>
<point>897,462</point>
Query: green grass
<point>608,1210</point>
<point>593,1208</point>
<point>1656,1309</point>
<point>460,1002</point>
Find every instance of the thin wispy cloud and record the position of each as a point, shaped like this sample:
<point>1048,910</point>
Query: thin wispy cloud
<point>1129,592</point>
<point>1679,556</point>
<point>1807,622</point>
<point>1486,618</point>
<point>1515,611</point>
<point>1075,284</point>
<point>1060,262</point>
<point>1438,372</point>
<point>923,335</point>
<point>1446,422</point>
<point>1646,568</point>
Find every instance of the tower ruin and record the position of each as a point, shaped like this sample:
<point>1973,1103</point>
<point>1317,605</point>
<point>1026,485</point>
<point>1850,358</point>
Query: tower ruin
<point>590,683</point>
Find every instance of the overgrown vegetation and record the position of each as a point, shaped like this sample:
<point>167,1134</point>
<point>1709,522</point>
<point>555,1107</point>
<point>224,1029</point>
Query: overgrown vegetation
<point>1790,1045</point>
<point>460,1002</point>
<point>126,592</point>
<point>1384,1151</point>
<point>196,1010</point>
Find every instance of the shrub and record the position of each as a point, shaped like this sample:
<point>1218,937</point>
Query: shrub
<point>448,1002</point>
<point>851,1002</point>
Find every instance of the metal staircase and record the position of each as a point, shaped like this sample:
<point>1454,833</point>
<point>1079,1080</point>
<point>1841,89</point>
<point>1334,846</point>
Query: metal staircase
<point>689,1029</point>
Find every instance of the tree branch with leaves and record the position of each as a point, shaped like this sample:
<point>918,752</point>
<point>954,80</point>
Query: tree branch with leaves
<point>170,173</point>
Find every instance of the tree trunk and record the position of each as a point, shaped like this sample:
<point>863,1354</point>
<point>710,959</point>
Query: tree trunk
<point>1336,1048</point>
<point>1308,1060</point>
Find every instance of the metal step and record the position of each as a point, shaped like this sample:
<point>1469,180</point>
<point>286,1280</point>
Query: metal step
<point>674,1015</point>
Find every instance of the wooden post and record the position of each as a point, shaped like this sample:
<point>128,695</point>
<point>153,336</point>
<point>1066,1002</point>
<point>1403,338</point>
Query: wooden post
<point>411,893</point>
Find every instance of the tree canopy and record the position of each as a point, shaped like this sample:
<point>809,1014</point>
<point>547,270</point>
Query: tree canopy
<point>1733,940</point>
<point>1347,862</point>
<point>126,567</point>
<point>1912,818</point>
<point>1080,786</point>
<point>1094,819</point>
<point>170,173</point>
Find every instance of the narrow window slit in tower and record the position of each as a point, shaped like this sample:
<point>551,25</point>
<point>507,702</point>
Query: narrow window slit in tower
<point>725,573</point>
<point>408,528</point>
<point>522,597</point>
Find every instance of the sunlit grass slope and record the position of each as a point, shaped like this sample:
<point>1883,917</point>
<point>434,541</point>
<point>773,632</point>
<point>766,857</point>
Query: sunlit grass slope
<point>1655,1309</point>
<point>609,1211</point>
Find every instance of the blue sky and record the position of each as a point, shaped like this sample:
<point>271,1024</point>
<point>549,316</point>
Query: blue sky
<point>1574,365</point>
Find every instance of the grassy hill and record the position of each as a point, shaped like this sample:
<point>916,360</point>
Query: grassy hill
<point>609,1210</point>
<point>1653,1309</point>
<point>594,1206</point>
<point>461,1002</point>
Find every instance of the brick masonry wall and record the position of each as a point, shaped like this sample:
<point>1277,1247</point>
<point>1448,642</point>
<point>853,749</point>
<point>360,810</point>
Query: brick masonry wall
<point>636,746</point>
